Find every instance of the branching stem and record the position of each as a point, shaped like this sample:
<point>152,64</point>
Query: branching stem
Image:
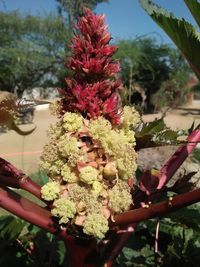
<point>15,178</point>
<point>159,209</point>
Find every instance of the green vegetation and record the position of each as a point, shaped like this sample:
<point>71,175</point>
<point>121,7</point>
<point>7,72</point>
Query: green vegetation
<point>196,155</point>
<point>25,245</point>
<point>178,242</point>
<point>146,67</point>
<point>31,51</point>
<point>185,36</point>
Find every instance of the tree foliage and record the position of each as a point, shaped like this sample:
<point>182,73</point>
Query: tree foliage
<point>178,242</point>
<point>31,50</point>
<point>148,64</point>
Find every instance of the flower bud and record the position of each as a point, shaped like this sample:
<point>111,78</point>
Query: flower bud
<point>110,170</point>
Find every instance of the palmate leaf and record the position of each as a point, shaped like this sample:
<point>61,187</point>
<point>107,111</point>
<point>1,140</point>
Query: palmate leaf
<point>156,133</point>
<point>183,34</point>
<point>194,8</point>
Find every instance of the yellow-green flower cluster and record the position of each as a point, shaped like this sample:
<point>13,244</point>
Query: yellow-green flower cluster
<point>99,128</point>
<point>72,121</point>
<point>63,209</point>
<point>55,131</point>
<point>109,138</point>
<point>119,198</point>
<point>89,163</point>
<point>95,225</point>
<point>68,146</point>
<point>97,188</point>
<point>81,194</point>
<point>51,161</point>
<point>50,191</point>
<point>130,117</point>
<point>78,193</point>
<point>126,162</point>
<point>88,174</point>
<point>117,143</point>
<point>68,175</point>
<point>55,107</point>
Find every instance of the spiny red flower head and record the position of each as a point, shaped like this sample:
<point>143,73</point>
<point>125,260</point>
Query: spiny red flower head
<point>93,88</point>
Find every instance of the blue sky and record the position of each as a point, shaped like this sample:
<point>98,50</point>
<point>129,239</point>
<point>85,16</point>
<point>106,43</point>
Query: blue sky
<point>126,18</point>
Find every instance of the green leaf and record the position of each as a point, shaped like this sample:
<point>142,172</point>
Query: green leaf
<point>156,133</point>
<point>194,7</point>
<point>10,227</point>
<point>189,217</point>
<point>183,34</point>
<point>153,127</point>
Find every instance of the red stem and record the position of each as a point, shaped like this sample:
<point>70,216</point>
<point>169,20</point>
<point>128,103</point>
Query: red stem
<point>115,244</point>
<point>172,165</point>
<point>13,177</point>
<point>155,210</point>
<point>83,252</point>
<point>27,210</point>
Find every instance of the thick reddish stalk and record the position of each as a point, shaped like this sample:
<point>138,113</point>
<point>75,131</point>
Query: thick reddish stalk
<point>155,210</point>
<point>13,177</point>
<point>23,182</point>
<point>33,213</point>
<point>172,165</point>
<point>27,210</point>
<point>115,244</point>
<point>83,252</point>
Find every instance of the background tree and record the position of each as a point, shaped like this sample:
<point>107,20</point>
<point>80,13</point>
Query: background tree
<point>31,51</point>
<point>147,64</point>
<point>33,48</point>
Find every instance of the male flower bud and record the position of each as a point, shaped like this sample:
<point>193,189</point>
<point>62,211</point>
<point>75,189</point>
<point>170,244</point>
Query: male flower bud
<point>110,170</point>
<point>80,207</point>
<point>50,191</point>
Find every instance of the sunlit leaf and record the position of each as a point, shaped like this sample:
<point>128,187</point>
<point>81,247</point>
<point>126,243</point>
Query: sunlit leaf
<point>156,133</point>
<point>183,34</point>
<point>194,8</point>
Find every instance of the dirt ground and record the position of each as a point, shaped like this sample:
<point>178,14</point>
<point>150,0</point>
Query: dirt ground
<point>24,152</point>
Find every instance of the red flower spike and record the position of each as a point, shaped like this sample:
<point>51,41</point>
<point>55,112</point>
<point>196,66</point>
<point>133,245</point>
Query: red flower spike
<point>93,88</point>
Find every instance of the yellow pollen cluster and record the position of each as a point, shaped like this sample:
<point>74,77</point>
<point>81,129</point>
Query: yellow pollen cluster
<point>119,199</point>
<point>68,175</point>
<point>64,209</point>
<point>95,225</point>
<point>50,191</point>
<point>72,121</point>
<point>88,174</point>
<point>130,117</point>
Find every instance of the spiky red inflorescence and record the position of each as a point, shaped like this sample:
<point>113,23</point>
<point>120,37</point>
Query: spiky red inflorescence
<point>93,88</point>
